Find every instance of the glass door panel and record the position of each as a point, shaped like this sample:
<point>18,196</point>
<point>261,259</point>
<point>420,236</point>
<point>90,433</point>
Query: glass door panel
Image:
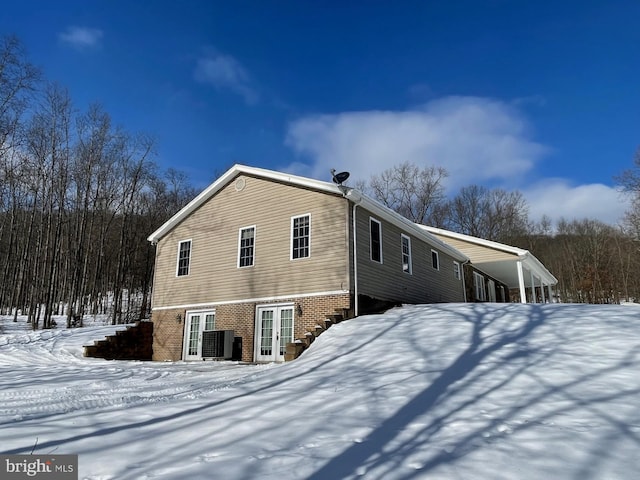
<point>274,331</point>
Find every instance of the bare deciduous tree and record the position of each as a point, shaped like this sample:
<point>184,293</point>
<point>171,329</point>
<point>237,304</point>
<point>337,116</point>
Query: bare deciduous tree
<point>493,214</point>
<point>413,192</point>
<point>629,181</point>
<point>78,198</point>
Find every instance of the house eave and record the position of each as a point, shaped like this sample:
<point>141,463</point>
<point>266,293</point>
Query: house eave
<point>528,260</point>
<point>225,179</point>
<point>349,193</point>
<point>404,223</point>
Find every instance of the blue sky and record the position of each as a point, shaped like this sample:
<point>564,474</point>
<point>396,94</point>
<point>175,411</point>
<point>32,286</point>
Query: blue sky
<point>539,96</point>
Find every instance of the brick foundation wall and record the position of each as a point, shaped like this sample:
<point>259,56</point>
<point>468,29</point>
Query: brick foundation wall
<point>167,334</point>
<point>240,317</point>
<point>315,309</point>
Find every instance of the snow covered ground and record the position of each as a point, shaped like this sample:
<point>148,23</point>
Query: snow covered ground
<point>451,391</point>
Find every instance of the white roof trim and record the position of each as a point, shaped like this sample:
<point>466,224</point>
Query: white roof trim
<point>404,224</point>
<point>225,179</point>
<point>349,193</point>
<point>476,240</point>
<point>528,259</point>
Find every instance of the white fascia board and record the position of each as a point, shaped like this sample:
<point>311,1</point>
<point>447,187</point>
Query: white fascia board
<point>534,265</point>
<point>225,179</point>
<point>192,205</point>
<point>404,223</point>
<point>528,259</point>
<point>478,241</point>
<point>327,187</point>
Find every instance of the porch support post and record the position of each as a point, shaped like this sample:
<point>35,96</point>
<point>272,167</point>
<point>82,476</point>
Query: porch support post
<point>544,300</point>
<point>523,293</point>
<point>534,297</point>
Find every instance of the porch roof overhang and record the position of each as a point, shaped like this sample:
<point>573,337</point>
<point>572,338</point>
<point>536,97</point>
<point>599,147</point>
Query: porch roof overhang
<point>504,269</point>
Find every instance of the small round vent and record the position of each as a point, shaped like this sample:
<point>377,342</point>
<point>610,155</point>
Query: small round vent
<point>240,184</point>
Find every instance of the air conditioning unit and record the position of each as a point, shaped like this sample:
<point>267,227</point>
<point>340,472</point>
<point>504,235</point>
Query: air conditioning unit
<point>217,344</point>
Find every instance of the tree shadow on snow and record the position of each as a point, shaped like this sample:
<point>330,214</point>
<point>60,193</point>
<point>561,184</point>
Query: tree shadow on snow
<point>492,346</point>
<point>285,379</point>
<point>387,448</point>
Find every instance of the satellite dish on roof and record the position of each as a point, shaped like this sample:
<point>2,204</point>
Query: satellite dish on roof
<point>339,178</point>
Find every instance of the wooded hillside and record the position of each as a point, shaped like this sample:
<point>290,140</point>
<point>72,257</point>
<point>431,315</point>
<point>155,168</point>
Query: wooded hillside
<point>78,197</point>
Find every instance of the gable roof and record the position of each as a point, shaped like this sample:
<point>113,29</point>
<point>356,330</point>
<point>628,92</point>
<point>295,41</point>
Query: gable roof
<point>225,179</point>
<point>349,193</point>
<point>481,253</point>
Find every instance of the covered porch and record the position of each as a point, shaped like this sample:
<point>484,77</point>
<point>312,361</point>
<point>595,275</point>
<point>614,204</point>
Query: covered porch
<point>519,269</point>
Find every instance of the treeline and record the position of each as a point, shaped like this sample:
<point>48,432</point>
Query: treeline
<point>78,197</point>
<point>593,262</point>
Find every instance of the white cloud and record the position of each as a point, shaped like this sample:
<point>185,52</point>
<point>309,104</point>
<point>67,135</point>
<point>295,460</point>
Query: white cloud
<point>81,38</point>
<point>556,198</point>
<point>475,139</point>
<point>225,72</point>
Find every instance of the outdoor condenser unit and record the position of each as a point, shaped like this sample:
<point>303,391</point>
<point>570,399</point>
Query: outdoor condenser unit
<point>217,344</point>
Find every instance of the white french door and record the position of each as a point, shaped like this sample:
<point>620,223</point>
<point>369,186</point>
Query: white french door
<point>274,329</point>
<point>196,323</point>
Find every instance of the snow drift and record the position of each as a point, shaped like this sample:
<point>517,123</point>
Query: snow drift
<point>451,391</point>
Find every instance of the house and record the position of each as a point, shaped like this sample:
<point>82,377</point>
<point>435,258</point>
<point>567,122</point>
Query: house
<point>498,272</point>
<point>265,255</point>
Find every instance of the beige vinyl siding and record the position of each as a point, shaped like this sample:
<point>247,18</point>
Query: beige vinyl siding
<point>477,253</point>
<point>213,229</point>
<point>387,281</point>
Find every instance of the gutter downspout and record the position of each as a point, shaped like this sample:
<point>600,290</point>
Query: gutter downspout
<point>347,194</point>
<point>355,262</point>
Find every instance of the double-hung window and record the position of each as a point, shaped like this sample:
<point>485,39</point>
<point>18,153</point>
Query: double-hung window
<point>246,246</point>
<point>478,284</point>
<point>456,270</point>
<point>184,258</point>
<point>491,286</point>
<point>375,240</point>
<point>301,236</point>
<point>406,253</point>
<point>435,260</point>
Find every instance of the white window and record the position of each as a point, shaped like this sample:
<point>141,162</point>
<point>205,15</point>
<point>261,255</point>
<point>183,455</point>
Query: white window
<point>375,240</point>
<point>435,260</point>
<point>246,246</point>
<point>301,236</point>
<point>456,270</point>
<point>210,321</point>
<point>406,254</point>
<point>478,285</point>
<point>184,258</point>
<point>492,291</point>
